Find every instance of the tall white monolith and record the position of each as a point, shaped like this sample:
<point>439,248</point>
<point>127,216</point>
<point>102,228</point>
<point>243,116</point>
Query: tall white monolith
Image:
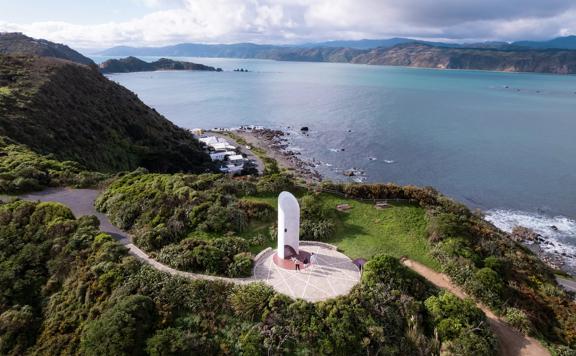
<point>288,223</point>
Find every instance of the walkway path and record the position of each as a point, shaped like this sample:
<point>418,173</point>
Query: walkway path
<point>512,342</point>
<point>81,202</point>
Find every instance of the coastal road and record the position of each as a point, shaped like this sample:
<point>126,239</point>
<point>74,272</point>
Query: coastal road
<point>568,284</point>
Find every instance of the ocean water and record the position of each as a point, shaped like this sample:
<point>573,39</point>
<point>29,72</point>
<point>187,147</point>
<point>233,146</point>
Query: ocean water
<point>501,142</point>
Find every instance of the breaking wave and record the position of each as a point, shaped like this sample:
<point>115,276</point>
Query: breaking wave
<point>559,232</point>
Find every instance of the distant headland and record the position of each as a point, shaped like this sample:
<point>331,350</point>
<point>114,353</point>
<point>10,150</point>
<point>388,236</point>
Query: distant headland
<point>133,64</point>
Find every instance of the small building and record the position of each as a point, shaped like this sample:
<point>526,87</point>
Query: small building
<point>218,156</point>
<point>236,160</point>
<point>210,140</point>
<point>222,146</point>
<point>197,131</point>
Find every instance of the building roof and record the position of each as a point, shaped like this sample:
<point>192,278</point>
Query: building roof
<point>236,157</point>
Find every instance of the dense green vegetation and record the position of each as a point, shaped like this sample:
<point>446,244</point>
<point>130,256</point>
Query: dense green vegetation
<point>189,218</point>
<point>70,110</point>
<point>67,289</point>
<point>22,170</point>
<point>487,264</point>
<point>191,222</point>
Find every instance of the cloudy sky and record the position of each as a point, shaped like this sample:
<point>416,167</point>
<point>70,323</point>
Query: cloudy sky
<point>104,23</point>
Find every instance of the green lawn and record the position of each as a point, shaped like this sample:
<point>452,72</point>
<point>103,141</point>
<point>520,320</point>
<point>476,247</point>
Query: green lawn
<point>365,231</point>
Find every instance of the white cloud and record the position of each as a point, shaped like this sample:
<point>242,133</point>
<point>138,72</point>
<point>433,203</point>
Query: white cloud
<point>173,21</point>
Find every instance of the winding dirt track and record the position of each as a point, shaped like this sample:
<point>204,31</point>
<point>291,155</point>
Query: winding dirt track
<point>81,202</point>
<point>511,342</point>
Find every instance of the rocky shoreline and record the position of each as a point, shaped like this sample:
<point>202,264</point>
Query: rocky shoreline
<point>276,145</point>
<point>535,242</point>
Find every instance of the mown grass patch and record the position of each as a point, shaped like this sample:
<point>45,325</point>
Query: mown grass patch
<point>365,231</point>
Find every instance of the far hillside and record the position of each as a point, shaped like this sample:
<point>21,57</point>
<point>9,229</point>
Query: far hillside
<point>71,111</point>
<point>133,64</point>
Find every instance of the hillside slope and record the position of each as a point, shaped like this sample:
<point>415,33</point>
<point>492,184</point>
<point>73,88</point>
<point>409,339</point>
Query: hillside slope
<point>20,44</point>
<point>69,110</point>
<point>421,55</point>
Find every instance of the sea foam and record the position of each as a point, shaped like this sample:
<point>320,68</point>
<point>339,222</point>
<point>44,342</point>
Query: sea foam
<point>560,240</point>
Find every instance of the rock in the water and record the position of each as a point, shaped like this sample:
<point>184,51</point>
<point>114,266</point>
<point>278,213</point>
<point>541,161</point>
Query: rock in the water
<point>304,129</point>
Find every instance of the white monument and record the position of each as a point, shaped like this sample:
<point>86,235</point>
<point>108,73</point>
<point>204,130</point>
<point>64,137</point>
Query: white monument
<point>288,224</point>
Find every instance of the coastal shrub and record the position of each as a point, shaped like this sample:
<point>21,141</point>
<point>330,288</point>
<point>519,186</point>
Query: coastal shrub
<point>562,350</point>
<point>224,218</point>
<point>212,259</point>
<point>236,187</point>
<point>458,247</point>
<point>227,255</point>
<point>487,286</point>
<point>471,343</point>
<point>312,208</point>
<point>460,325</point>
<point>121,330</point>
<point>151,239</point>
<point>164,210</point>
<point>241,265</point>
<point>274,183</point>
<point>23,170</point>
<point>444,225</point>
<point>173,341</point>
<point>494,263</point>
<point>256,210</point>
<point>316,230</point>
<point>250,301</point>
<point>270,166</point>
<point>231,245</point>
<point>389,270</point>
<point>18,327</point>
<point>518,319</point>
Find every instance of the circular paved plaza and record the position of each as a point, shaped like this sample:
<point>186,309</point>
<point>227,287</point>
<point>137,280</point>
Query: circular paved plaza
<point>333,275</point>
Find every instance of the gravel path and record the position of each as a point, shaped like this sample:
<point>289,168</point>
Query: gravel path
<point>511,342</point>
<point>81,202</point>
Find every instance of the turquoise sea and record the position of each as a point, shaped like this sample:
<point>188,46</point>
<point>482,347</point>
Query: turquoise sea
<point>501,142</point>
